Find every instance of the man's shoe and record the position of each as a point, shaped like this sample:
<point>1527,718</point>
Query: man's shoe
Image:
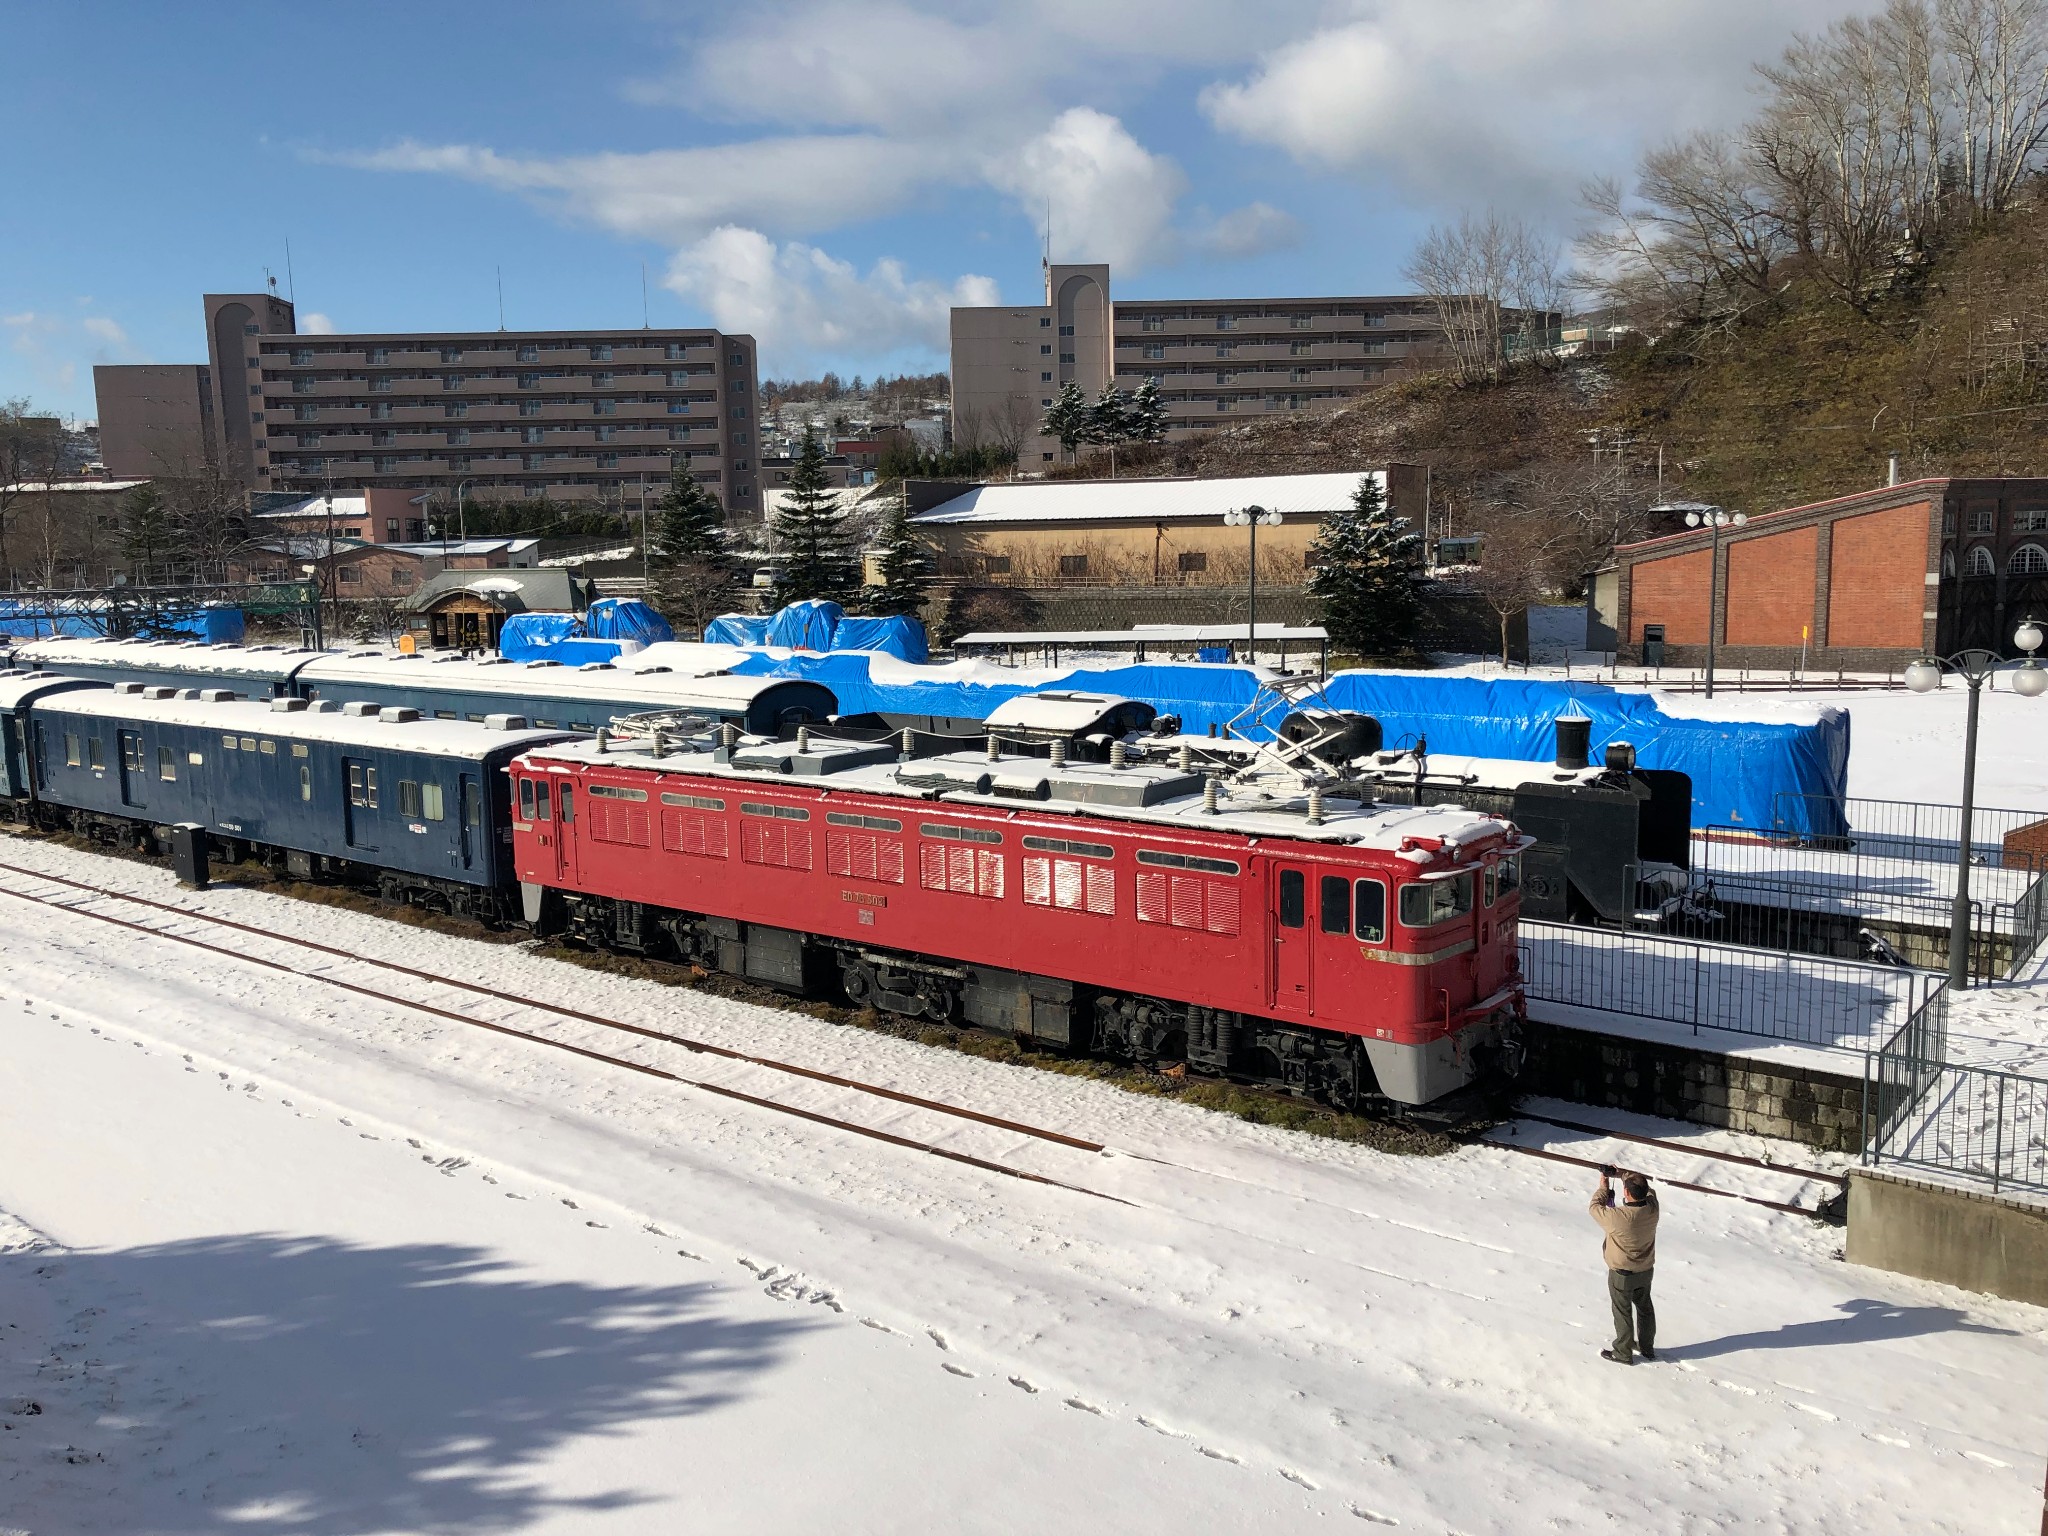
<point>1649,1354</point>
<point>1608,1354</point>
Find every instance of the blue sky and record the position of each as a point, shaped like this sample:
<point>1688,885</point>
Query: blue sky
<point>828,175</point>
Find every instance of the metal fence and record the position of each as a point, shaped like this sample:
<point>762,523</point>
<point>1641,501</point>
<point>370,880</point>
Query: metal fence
<point>1885,896</point>
<point>1976,1122</point>
<point>1907,829</point>
<point>1798,997</point>
<point>1898,1073</point>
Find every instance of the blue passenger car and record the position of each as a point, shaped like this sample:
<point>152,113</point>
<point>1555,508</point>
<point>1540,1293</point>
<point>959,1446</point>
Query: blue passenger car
<point>18,691</point>
<point>317,789</point>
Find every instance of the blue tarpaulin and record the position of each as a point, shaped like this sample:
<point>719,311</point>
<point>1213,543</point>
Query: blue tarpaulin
<point>737,629</point>
<point>899,636</point>
<point>533,636</point>
<point>627,618</point>
<point>806,626</point>
<point>1744,773</point>
<point>22,619</point>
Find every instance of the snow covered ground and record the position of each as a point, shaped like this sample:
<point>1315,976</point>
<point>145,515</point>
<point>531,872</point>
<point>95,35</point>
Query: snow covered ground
<point>280,1258</point>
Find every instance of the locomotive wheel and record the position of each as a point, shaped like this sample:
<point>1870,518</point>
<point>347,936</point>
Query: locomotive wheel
<point>857,980</point>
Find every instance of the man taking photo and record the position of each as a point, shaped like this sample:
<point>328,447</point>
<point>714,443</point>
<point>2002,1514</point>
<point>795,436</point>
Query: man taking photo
<point>1631,1254</point>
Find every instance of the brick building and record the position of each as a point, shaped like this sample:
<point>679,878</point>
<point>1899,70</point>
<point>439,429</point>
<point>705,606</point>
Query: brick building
<point>1870,580</point>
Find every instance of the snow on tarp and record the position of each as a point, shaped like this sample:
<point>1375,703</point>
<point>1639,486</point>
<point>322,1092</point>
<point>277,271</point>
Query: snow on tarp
<point>901,637</point>
<point>1791,773</point>
<point>629,621</point>
<point>533,636</point>
<point>806,626</point>
<point>737,629</point>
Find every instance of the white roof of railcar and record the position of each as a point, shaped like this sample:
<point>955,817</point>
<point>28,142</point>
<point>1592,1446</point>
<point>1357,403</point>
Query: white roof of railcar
<point>514,680</point>
<point>256,717</point>
<point>224,660</point>
<point>1243,813</point>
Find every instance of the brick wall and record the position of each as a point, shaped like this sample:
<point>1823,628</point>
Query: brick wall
<point>1877,579</point>
<point>1671,592</point>
<point>1770,581</point>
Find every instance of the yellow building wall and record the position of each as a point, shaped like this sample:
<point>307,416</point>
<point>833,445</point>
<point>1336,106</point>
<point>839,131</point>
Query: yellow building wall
<point>1123,554</point>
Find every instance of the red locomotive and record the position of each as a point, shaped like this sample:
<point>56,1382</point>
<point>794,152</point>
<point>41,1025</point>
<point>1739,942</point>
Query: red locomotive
<point>1342,950</point>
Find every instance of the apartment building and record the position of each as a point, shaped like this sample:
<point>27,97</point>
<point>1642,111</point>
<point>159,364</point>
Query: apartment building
<point>586,415</point>
<point>1215,362</point>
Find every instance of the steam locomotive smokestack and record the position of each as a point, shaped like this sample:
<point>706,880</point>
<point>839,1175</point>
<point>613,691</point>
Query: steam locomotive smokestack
<point>1574,741</point>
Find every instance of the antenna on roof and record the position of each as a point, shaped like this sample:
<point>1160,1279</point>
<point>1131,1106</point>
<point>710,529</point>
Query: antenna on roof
<point>501,297</point>
<point>270,280</point>
<point>1045,257</point>
<point>645,323</point>
<point>291,283</point>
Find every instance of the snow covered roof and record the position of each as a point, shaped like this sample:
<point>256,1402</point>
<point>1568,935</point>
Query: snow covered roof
<point>386,730</point>
<point>37,487</point>
<point>1057,501</point>
<point>1016,786</point>
<point>1143,634</point>
<point>346,504</point>
<point>532,682</point>
<point>240,661</point>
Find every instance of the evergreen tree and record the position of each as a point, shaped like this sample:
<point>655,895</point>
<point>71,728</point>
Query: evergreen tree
<point>693,573</point>
<point>1068,418</point>
<point>1109,418</point>
<point>810,534</point>
<point>1145,421</point>
<point>1367,575</point>
<point>147,533</point>
<point>905,564</point>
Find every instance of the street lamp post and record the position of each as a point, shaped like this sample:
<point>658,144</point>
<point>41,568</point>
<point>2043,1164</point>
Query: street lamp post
<point>1715,520</point>
<point>1974,668</point>
<point>1252,518</point>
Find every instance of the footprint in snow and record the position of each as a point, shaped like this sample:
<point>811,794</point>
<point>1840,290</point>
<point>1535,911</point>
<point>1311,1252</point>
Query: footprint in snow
<point>1085,1407</point>
<point>869,1322</point>
<point>572,1205</point>
<point>937,1338</point>
<point>689,1255</point>
<point>649,1227</point>
<point>956,1370</point>
<point>1373,1516</point>
<point>413,1142</point>
<point>489,1180</point>
<point>597,1224</point>
<point>1735,1386</point>
<point>1023,1386</point>
<point>1216,1455</point>
<point>1297,1479</point>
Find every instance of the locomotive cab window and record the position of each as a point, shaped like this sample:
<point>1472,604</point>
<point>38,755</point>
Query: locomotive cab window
<point>540,801</point>
<point>1371,909</point>
<point>526,799</point>
<point>1509,877</point>
<point>1293,898</point>
<point>1426,903</point>
<point>1336,904</point>
<point>569,802</point>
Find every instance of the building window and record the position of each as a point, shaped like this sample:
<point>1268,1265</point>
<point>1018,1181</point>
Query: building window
<point>601,381</point>
<point>387,463</point>
<point>453,408</point>
<point>1226,322</point>
<point>1155,349</point>
<point>309,439</point>
<point>529,353</point>
<point>536,460</point>
<point>529,407</point>
<point>306,412</point>
<point>391,529</point>
<point>1298,322</point>
<point>2027,560</point>
<point>380,410</point>
<point>302,357</point>
<point>607,461</point>
<point>607,434</point>
<point>739,413</point>
<point>1983,519</point>
<point>1193,560</point>
<point>380,385</point>
<point>1045,322</point>
<point>740,439</point>
<point>1981,563</point>
<point>1375,322</point>
<point>451,354</point>
<point>351,576</point>
<point>1073,565</point>
<point>679,408</point>
<point>1300,348</point>
<point>1066,357</point>
<point>600,352</point>
<point>529,381</point>
<point>1222,405</point>
<point>1153,323</point>
<point>2029,520</point>
<point>302,386</point>
<point>1047,403</point>
<point>1297,375</point>
<point>401,577</point>
<point>1226,349</point>
<point>608,407</point>
<point>385,439</point>
<point>673,351</point>
<point>378,355</point>
<point>736,359</point>
<point>458,437</point>
<point>531,434</point>
<point>1066,330</point>
<point>1045,349</point>
<point>315,466</point>
<point>451,381</point>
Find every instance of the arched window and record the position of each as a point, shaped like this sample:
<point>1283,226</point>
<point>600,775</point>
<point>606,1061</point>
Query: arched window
<point>2027,560</point>
<point>1981,563</point>
<point>1948,562</point>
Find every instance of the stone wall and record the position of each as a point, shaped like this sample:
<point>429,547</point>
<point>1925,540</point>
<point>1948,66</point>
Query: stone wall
<point>1735,1093</point>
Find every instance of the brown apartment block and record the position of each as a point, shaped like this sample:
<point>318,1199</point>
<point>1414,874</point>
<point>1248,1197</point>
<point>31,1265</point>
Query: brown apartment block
<point>1215,362</point>
<point>1869,581</point>
<point>589,415</point>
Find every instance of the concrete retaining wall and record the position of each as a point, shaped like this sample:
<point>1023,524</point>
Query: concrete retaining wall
<point>1956,1236</point>
<point>1820,1109</point>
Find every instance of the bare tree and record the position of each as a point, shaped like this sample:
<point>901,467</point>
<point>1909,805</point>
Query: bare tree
<point>1492,279</point>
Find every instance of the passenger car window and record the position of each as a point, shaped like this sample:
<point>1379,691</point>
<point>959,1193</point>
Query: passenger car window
<point>166,765</point>
<point>1371,907</point>
<point>430,802</point>
<point>1293,898</point>
<point>1336,901</point>
<point>305,782</point>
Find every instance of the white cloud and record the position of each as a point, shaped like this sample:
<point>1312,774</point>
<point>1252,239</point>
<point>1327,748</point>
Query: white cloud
<point>1511,102</point>
<point>55,351</point>
<point>800,303</point>
<point>1110,199</point>
<point>104,330</point>
<point>792,185</point>
<point>313,323</point>
<point>1251,230</point>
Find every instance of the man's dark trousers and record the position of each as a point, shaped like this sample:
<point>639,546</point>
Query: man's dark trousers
<point>1635,1317</point>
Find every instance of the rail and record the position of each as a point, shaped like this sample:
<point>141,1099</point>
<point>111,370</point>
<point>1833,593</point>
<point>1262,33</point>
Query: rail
<point>1809,999</point>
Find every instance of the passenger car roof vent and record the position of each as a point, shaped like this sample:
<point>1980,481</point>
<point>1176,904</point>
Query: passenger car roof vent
<point>215,695</point>
<point>288,706</point>
<point>505,722</point>
<point>127,687</point>
<point>398,714</point>
<point>359,707</point>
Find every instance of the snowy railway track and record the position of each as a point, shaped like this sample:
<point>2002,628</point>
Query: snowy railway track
<point>538,1005</point>
<point>89,890</point>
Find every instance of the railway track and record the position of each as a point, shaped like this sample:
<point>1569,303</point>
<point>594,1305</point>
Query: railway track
<point>88,891</point>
